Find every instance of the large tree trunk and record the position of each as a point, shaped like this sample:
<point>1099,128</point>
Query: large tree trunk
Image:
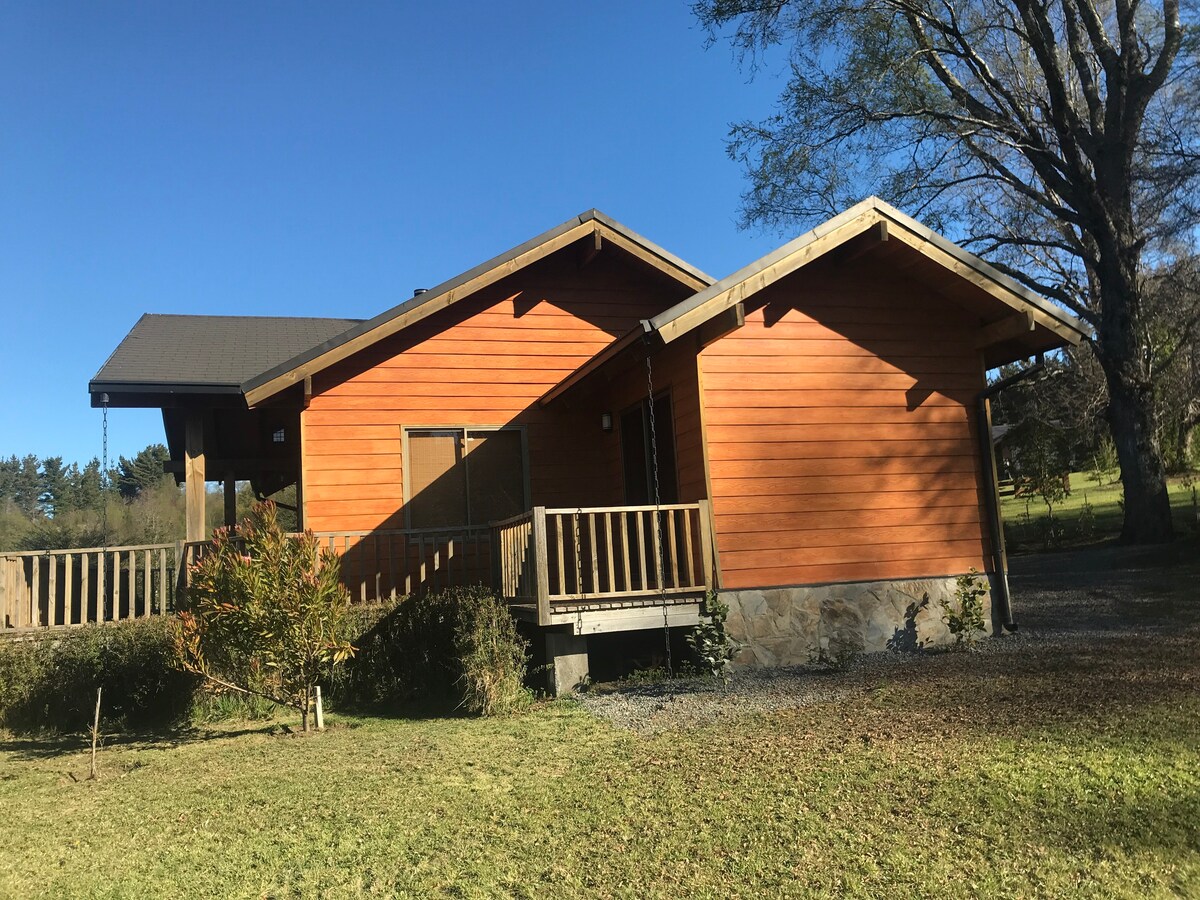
<point>1130,400</point>
<point>1147,507</point>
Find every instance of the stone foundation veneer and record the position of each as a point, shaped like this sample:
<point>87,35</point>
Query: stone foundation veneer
<point>800,625</point>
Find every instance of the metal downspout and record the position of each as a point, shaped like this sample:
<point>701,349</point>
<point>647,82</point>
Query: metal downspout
<point>983,417</point>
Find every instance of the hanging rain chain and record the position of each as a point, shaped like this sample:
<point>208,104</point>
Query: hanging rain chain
<point>662,577</point>
<point>103,561</point>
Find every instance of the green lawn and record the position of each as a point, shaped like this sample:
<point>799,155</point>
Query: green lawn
<point>1024,517</point>
<point>940,780</point>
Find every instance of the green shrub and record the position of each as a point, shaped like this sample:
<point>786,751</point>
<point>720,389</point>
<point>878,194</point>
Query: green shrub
<point>49,684</point>
<point>713,646</point>
<point>964,617</point>
<point>266,612</point>
<point>457,649</point>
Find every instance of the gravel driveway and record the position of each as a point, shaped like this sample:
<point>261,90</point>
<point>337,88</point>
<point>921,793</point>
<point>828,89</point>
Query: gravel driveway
<point>1068,605</point>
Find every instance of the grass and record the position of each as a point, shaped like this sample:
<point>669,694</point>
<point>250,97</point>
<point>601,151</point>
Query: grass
<point>1025,517</point>
<point>941,782</point>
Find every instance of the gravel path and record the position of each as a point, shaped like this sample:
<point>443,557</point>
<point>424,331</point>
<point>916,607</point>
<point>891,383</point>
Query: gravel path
<point>1067,603</point>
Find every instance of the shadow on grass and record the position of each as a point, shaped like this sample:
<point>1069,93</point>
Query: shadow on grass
<point>31,747</point>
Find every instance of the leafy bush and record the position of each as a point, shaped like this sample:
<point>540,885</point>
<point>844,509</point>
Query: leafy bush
<point>266,612</point>
<point>713,646</point>
<point>457,649</point>
<point>964,617</point>
<point>49,684</point>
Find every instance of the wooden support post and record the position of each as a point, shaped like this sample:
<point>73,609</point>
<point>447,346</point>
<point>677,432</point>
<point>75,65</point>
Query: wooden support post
<point>230,501</point>
<point>541,565</point>
<point>194,475</point>
<point>706,545</point>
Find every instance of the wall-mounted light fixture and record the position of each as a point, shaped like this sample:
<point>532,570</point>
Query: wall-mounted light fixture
<point>606,422</point>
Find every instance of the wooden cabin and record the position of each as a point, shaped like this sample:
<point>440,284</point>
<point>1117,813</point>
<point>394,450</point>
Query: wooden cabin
<point>604,433</point>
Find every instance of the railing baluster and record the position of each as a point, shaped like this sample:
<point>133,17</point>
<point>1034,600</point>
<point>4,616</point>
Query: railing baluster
<point>674,548</point>
<point>562,565</point>
<point>421,563</point>
<point>576,553</point>
<point>52,591</point>
<point>623,517</point>
<point>85,577</point>
<point>591,519</point>
<point>162,581</point>
<point>116,585</point>
<point>611,571</point>
<point>69,594</point>
<point>687,548</point>
<point>641,542</point>
<point>35,594</point>
<point>656,535</point>
<point>101,585</point>
<point>146,583</point>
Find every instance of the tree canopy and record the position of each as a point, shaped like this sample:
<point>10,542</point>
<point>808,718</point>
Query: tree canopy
<point>1058,138</point>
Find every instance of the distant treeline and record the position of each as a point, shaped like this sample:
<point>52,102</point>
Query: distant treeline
<point>46,504</point>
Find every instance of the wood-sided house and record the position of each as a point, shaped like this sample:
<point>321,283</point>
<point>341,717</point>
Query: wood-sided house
<point>604,434</point>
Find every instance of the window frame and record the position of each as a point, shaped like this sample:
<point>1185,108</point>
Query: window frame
<point>405,469</point>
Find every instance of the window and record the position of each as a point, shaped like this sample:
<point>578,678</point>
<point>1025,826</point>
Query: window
<point>464,476</point>
<point>279,436</point>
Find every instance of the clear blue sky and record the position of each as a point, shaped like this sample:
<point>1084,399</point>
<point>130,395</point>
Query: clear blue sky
<point>326,159</point>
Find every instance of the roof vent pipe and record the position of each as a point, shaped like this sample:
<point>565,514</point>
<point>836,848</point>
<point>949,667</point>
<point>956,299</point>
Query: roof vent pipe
<point>417,292</point>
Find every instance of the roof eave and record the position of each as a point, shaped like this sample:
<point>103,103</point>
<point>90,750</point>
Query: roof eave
<point>270,382</point>
<point>694,311</point>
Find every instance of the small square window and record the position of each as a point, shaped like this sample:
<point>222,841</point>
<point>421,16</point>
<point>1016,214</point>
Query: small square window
<point>279,436</point>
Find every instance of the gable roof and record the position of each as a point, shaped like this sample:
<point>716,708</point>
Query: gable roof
<point>1034,312</point>
<point>270,381</point>
<point>206,354</point>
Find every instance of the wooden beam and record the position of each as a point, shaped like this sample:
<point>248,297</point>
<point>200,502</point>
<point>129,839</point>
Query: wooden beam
<point>230,502</point>
<point>722,324</point>
<point>873,239</point>
<point>247,466</point>
<point>193,474</point>
<point>307,390</point>
<point>591,249</point>
<point>1005,329</point>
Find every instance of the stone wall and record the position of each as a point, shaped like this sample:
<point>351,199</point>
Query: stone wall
<point>801,625</point>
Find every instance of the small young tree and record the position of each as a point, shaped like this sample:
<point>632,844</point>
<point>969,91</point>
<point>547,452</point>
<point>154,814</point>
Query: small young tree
<point>266,612</point>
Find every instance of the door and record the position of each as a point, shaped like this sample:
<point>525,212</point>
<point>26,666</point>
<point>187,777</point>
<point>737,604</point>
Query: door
<point>638,443</point>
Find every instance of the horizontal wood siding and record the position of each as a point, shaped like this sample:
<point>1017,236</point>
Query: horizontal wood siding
<point>484,361</point>
<point>840,433</point>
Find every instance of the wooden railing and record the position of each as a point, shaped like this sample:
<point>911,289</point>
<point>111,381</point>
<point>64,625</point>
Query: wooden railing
<point>547,559</point>
<point>383,565</point>
<point>558,559</point>
<point>63,588</point>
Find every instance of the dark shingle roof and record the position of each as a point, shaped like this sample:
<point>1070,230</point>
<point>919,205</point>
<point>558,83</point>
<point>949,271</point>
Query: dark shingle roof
<point>219,352</point>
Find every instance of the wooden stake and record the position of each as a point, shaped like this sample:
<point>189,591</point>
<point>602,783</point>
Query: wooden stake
<point>95,734</point>
<point>320,711</point>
